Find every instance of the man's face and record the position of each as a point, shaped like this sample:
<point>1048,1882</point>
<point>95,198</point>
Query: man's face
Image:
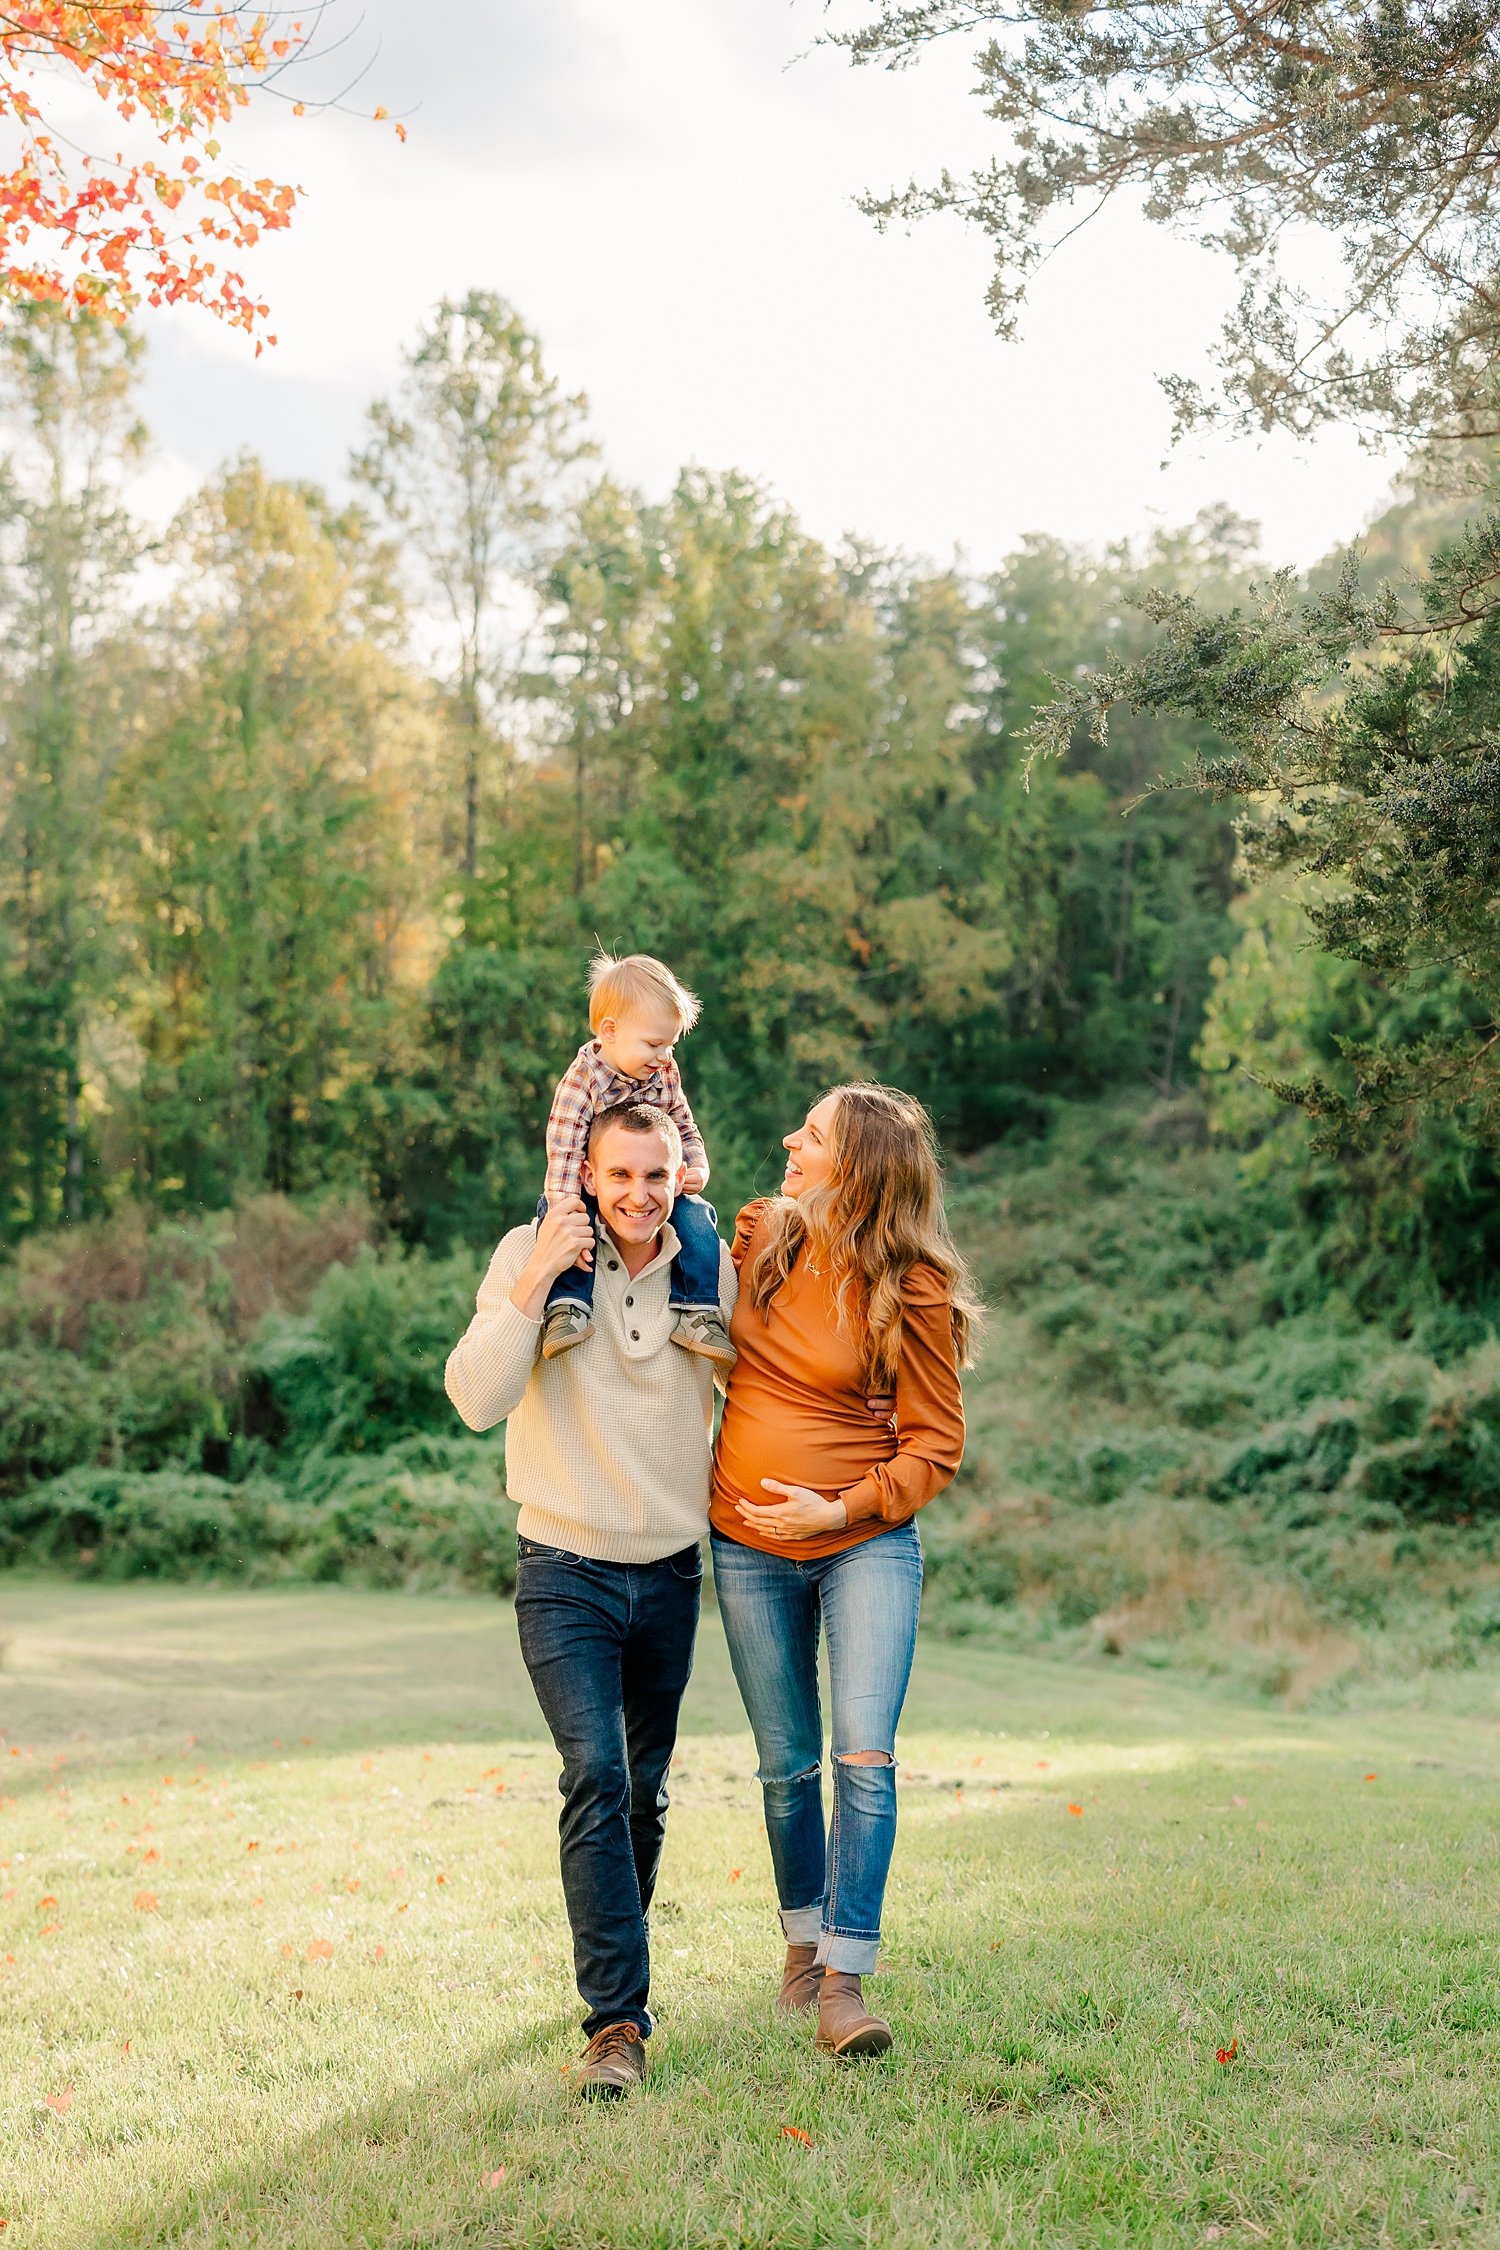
<point>636,1180</point>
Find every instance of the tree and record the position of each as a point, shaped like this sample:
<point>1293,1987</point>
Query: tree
<point>466,464</point>
<point>96,236</point>
<point>69,547</point>
<point>1377,121</point>
<point>270,893</point>
<point>1366,742</point>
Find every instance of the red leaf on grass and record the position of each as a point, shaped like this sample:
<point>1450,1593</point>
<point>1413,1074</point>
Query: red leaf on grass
<point>1227,2054</point>
<point>795,2133</point>
<point>320,1949</point>
<point>146,1902</point>
<point>49,1929</point>
<point>60,2104</point>
<point>1075,1808</point>
<point>46,1899</point>
<point>492,2179</point>
<point>124,2049</point>
<point>1372,1777</point>
<point>734,1874</point>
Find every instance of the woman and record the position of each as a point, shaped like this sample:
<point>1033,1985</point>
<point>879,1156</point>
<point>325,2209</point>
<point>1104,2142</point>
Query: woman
<point>849,1285</point>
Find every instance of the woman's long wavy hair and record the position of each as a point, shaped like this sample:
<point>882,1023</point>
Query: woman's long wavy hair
<point>879,1214</point>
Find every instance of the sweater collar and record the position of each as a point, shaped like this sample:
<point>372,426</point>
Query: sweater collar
<point>666,1250</point>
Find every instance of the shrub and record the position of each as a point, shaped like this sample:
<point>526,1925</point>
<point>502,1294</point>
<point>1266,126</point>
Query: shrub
<point>113,1523</point>
<point>363,1367</point>
<point>54,1413</point>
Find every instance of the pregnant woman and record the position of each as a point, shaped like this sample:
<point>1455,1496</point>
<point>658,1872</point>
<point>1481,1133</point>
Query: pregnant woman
<point>850,1285</point>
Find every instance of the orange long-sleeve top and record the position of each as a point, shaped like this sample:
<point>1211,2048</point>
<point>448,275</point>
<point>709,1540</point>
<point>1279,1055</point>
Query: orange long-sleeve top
<point>796,1408</point>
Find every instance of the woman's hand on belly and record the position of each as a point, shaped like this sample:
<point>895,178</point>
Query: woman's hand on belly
<point>802,1514</point>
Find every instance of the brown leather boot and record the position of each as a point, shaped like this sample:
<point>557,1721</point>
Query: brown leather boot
<point>613,2061</point>
<point>800,1979</point>
<point>845,2025</point>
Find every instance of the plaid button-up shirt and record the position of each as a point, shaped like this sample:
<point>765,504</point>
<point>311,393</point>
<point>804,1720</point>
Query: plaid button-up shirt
<point>589,1085</point>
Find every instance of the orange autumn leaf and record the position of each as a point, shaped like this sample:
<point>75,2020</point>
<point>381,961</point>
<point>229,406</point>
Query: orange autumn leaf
<point>1372,1777</point>
<point>379,1953</point>
<point>319,1949</point>
<point>1075,1808</point>
<point>795,2133</point>
<point>734,1874</point>
<point>46,1899</point>
<point>49,1929</point>
<point>1227,2054</point>
<point>61,2103</point>
<point>124,2049</point>
<point>252,1843</point>
<point>148,1856</point>
<point>492,2179</point>
<point>146,1902</point>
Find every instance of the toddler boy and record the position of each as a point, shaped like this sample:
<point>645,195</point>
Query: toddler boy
<point>638,1011</point>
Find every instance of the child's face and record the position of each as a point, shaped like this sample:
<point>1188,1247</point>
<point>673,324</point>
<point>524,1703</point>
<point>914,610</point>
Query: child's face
<point>637,1045</point>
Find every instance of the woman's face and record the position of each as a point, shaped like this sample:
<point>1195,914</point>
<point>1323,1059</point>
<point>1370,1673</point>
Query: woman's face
<point>808,1160</point>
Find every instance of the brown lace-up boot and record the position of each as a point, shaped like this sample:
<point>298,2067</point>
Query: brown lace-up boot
<point>845,2025</point>
<point>800,1979</point>
<point>613,2061</point>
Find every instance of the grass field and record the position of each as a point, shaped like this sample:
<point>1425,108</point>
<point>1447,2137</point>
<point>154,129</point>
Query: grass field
<point>283,1962</point>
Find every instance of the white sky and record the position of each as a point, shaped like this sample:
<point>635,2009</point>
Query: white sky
<point>666,196</point>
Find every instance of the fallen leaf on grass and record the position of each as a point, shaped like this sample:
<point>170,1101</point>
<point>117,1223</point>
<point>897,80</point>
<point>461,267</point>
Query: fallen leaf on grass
<point>146,1902</point>
<point>252,1843</point>
<point>49,1929</point>
<point>795,2133</point>
<point>320,1949</point>
<point>60,2104</point>
<point>1075,1809</point>
<point>379,1953</point>
<point>147,1857</point>
<point>1227,2054</point>
<point>1372,1777</point>
<point>734,1874</point>
<point>492,2179</point>
<point>124,2049</point>
<point>46,1899</point>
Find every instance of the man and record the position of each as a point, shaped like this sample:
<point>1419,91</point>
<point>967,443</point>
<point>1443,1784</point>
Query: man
<point>608,1455</point>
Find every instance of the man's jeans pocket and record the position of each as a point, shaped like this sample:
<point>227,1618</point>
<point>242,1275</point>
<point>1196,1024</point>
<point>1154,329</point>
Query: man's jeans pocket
<point>532,1550</point>
<point>687,1564</point>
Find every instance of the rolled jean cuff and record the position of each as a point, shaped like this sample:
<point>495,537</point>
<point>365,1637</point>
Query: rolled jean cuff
<point>802,1925</point>
<point>848,1956</point>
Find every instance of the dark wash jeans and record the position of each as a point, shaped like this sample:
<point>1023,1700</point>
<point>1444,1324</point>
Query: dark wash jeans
<point>609,1647</point>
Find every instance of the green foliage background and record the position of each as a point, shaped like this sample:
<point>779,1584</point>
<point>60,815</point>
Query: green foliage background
<point>296,904</point>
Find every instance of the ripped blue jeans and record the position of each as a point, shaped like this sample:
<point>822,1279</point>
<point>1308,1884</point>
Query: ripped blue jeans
<point>773,1605</point>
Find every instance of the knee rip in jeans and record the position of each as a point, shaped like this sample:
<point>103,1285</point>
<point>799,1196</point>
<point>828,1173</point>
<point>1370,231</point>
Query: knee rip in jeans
<point>808,1773</point>
<point>865,1758</point>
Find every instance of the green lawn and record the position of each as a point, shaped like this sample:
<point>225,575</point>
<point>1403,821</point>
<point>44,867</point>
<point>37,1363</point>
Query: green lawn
<point>279,1883</point>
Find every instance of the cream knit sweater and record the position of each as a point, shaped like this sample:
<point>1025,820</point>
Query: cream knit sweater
<point>610,1444</point>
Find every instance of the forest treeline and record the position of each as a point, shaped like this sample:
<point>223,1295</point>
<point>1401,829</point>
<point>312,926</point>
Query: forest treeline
<point>313,811</point>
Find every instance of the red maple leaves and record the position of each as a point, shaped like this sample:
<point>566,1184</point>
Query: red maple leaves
<point>101,235</point>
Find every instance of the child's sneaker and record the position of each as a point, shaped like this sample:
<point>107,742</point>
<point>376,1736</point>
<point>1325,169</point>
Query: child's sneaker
<point>564,1326</point>
<point>703,1331</point>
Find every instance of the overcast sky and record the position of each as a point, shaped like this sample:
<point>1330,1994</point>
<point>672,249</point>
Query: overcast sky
<point>666,193</point>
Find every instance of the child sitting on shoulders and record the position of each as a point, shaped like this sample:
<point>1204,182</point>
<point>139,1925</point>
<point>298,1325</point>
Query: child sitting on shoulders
<point>638,1011</point>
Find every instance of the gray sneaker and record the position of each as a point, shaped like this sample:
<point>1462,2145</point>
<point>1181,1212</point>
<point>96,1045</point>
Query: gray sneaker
<point>565,1326</point>
<point>705,1333</point>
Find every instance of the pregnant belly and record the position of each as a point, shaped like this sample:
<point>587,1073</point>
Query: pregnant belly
<point>825,1450</point>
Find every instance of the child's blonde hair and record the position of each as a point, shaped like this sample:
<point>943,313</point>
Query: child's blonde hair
<point>621,985</point>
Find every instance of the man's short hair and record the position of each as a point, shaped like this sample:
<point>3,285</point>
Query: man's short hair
<point>621,985</point>
<point>637,1117</point>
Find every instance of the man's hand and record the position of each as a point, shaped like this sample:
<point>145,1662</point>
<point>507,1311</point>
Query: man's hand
<point>565,1238</point>
<point>694,1179</point>
<point>801,1515</point>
